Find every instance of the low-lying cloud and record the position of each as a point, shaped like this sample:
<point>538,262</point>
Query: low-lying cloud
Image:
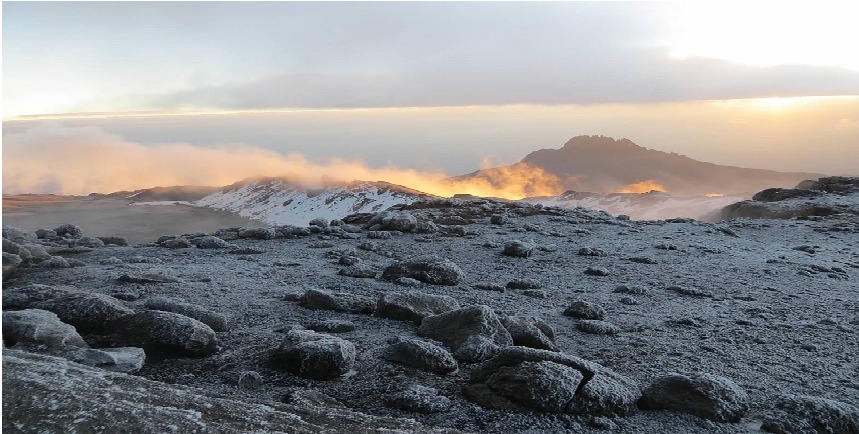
<point>52,158</point>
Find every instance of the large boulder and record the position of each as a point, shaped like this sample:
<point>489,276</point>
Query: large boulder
<point>10,263</point>
<point>23,297</point>
<point>165,334</point>
<point>413,305</point>
<point>88,312</point>
<point>87,242</point>
<point>217,321</point>
<point>402,222</point>
<point>423,355</point>
<point>36,326</point>
<point>17,234</point>
<point>316,356</point>
<point>456,327</point>
<point>338,301</point>
<point>797,414</point>
<point>124,359</point>
<point>701,394</point>
<point>600,391</point>
<point>528,331</point>
<point>68,230</point>
<point>431,269</point>
<point>541,386</point>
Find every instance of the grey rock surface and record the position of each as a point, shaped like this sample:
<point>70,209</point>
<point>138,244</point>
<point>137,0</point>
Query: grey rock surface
<point>698,393</point>
<point>314,355</point>
<point>165,334</point>
<point>413,305</point>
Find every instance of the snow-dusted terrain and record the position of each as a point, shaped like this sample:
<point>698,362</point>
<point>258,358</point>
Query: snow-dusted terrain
<point>279,202</point>
<point>528,319</point>
<point>654,205</point>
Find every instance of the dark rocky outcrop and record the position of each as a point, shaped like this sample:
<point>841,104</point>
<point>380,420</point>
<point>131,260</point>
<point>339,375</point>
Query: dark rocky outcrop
<point>49,394</point>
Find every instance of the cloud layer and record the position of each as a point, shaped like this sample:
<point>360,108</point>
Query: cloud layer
<point>51,158</point>
<point>231,55</point>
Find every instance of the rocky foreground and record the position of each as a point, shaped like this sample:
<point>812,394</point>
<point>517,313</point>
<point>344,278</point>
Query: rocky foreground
<point>443,314</point>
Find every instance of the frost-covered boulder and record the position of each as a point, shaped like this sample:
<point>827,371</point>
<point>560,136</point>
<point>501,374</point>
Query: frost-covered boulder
<point>258,233</point>
<point>701,394</point>
<point>37,326</point>
<point>176,243</point>
<point>423,355</point>
<point>456,327</point>
<point>10,263</point>
<point>87,242</point>
<point>419,399</point>
<point>69,230</point>
<point>18,234</point>
<point>338,301</point>
<point>599,392</point>
<point>23,297</point>
<point>116,241</point>
<point>431,269</point>
<point>518,248</point>
<point>165,333</point>
<point>585,310</point>
<point>797,414</point>
<point>210,242</point>
<point>413,305</point>
<point>317,356</point>
<point>88,312</point>
<point>217,321</point>
<point>124,359</point>
<point>528,331</point>
<point>540,386</point>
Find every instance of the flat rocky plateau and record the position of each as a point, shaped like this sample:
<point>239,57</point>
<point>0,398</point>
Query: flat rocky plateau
<point>757,318</point>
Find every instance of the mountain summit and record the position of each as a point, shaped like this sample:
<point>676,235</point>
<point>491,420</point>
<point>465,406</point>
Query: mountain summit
<point>603,164</point>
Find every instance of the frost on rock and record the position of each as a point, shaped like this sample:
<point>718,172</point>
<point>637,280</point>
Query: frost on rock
<point>317,356</point>
<point>457,327</point>
<point>431,269</point>
<point>166,333</point>
<point>704,395</point>
<point>413,305</point>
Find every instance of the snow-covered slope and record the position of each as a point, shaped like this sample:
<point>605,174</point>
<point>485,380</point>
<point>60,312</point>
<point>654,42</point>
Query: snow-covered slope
<point>654,205</point>
<point>277,201</point>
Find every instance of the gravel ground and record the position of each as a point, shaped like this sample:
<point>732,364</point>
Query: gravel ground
<point>768,316</point>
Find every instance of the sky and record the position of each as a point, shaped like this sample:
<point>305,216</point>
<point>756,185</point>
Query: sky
<point>440,86</point>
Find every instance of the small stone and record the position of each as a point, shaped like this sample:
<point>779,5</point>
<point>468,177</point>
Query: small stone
<point>331,326</point>
<point>423,355</point>
<point>524,284</point>
<point>596,327</point>
<point>247,380</point>
<point>597,271</point>
<point>590,251</point>
<point>585,310</point>
<point>420,399</point>
<point>517,248</point>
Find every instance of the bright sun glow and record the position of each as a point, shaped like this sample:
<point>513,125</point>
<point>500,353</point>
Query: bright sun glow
<point>781,104</point>
<point>764,33</point>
